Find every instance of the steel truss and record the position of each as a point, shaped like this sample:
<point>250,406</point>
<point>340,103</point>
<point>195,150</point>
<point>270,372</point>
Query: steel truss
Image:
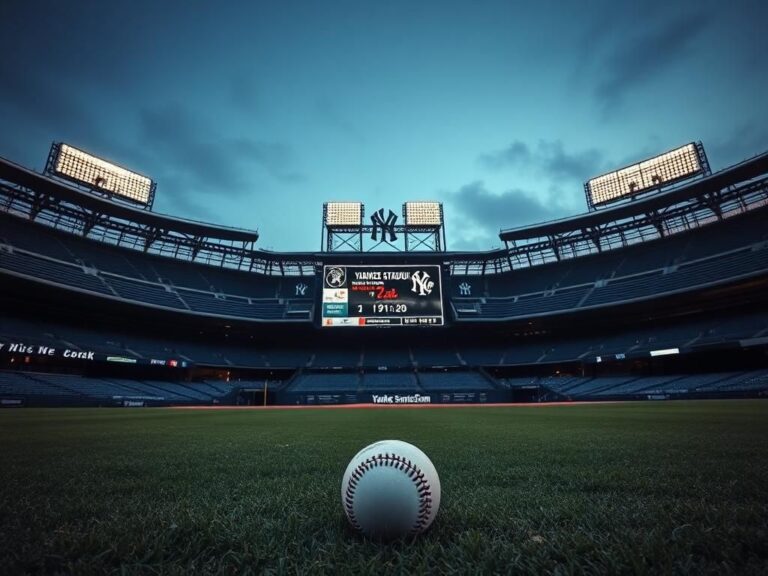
<point>540,244</point>
<point>611,234</point>
<point>158,240</point>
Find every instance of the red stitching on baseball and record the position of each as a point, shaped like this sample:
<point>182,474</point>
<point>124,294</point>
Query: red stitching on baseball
<point>423,488</point>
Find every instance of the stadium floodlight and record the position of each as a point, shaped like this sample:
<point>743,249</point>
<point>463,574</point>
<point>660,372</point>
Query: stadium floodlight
<point>343,213</point>
<point>678,164</point>
<point>423,213</point>
<point>83,168</point>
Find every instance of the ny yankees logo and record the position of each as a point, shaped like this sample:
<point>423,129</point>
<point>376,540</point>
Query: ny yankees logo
<point>335,277</point>
<point>301,289</point>
<point>422,285</point>
<point>465,289</point>
<point>387,225</point>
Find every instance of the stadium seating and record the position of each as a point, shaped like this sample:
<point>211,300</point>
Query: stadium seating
<point>718,268</point>
<point>17,384</point>
<point>390,382</point>
<point>488,355</point>
<point>681,261</point>
<point>337,358</point>
<point>73,389</point>
<point>577,309</point>
<point>52,271</point>
<point>439,381</point>
<point>236,306</point>
<point>146,292</point>
<point>389,357</point>
<point>98,267</point>
<point>436,356</point>
<point>581,388</point>
<point>726,266</point>
<point>16,232</point>
<point>326,382</point>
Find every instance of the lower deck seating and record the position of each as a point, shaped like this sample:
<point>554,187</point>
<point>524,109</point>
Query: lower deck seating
<point>326,382</point>
<point>390,381</point>
<point>438,381</point>
<point>73,387</point>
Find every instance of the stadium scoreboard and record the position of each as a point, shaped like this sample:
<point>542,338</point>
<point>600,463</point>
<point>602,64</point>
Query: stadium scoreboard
<point>382,296</point>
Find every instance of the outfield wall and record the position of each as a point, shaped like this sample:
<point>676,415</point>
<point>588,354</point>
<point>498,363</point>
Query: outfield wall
<point>394,398</point>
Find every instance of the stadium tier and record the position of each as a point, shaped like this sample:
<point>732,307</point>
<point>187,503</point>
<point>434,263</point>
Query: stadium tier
<point>42,389</point>
<point>671,272</point>
<point>662,296</point>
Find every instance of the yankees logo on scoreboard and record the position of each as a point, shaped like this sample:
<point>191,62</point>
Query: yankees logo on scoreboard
<point>422,285</point>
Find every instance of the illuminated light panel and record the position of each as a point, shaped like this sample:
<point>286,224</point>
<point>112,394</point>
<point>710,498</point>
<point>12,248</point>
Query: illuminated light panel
<point>423,214</point>
<point>665,352</point>
<point>671,166</point>
<point>344,213</point>
<point>102,175</point>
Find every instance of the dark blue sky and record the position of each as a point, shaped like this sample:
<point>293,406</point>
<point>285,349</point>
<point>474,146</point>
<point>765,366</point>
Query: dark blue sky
<point>253,114</point>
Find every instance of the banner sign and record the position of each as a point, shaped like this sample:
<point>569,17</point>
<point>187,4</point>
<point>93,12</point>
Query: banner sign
<point>396,399</point>
<point>41,351</point>
<point>401,399</point>
<point>49,351</point>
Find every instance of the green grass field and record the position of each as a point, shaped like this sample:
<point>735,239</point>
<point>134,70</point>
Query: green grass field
<point>677,487</point>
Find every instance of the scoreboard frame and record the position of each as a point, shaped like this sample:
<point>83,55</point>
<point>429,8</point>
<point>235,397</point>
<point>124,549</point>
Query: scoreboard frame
<point>394,304</point>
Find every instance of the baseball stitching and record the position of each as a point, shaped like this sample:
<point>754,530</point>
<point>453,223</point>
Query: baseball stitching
<point>400,463</point>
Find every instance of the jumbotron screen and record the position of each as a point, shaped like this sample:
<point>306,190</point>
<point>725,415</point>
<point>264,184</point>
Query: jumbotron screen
<point>382,296</point>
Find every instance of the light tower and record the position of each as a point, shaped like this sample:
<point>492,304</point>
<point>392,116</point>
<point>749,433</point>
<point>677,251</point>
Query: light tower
<point>421,228</point>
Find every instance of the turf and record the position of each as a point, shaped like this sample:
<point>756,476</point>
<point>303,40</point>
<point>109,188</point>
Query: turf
<point>677,487</point>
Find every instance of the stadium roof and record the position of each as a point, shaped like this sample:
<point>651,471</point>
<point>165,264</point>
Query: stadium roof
<point>746,170</point>
<point>19,175</point>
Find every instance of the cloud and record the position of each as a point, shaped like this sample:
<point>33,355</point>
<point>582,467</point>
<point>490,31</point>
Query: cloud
<point>209,160</point>
<point>275,157</point>
<point>642,57</point>
<point>38,100</point>
<point>482,213</point>
<point>515,154</point>
<point>548,158</point>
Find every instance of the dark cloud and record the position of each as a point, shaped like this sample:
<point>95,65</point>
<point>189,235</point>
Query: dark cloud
<point>515,154</point>
<point>211,161</point>
<point>641,57</point>
<point>275,157</point>
<point>561,165</point>
<point>484,213</point>
<point>548,158</point>
<point>36,100</point>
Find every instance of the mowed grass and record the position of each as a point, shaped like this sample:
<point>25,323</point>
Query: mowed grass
<point>677,487</point>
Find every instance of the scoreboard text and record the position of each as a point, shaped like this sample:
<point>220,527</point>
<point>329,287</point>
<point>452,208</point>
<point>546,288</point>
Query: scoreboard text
<point>382,296</point>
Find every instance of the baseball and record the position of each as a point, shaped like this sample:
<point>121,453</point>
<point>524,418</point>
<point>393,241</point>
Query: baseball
<point>390,489</point>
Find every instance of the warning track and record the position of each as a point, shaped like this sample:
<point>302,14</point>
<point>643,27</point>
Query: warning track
<point>391,406</point>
